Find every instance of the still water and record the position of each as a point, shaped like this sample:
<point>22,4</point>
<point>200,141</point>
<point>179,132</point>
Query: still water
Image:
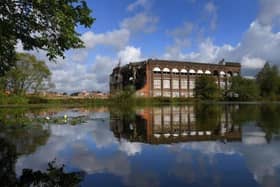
<point>192,145</point>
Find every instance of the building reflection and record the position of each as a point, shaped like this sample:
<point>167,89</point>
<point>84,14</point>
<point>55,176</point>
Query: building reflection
<point>174,124</point>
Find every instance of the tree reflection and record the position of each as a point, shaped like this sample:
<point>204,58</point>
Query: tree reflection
<point>19,129</point>
<point>55,175</point>
<point>269,120</point>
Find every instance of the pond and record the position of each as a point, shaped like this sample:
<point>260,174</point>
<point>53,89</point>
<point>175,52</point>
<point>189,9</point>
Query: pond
<point>190,145</point>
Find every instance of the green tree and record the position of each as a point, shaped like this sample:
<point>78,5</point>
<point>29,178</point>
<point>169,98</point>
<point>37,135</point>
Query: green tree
<point>243,89</point>
<point>206,88</point>
<point>268,80</point>
<point>41,24</point>
<point>28,74</point>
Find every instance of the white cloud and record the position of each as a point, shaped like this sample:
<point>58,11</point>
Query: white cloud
<point>269,12</point>
<point>139,3</point>
<point>70,76</point>
<point>130,148</point>
<point>182,31</point>
<point>79,55</point>
<point>259,44</point>
<point>129,54</point>
<point>116,38</point>
<point>211,12</point>
<point>140,22</point>
<point>252,63</point>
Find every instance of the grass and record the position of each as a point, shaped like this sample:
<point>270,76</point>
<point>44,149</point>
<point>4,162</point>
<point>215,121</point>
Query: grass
<point>123,101</point>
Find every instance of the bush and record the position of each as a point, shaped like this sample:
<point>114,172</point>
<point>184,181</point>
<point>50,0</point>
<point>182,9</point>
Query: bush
<point>12,99</point>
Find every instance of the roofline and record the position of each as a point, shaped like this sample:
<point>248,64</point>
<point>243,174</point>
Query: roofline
<point>150,60</point>
<point>201,63</point>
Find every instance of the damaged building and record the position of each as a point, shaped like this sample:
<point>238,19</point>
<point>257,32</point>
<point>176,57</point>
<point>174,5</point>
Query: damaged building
<point>168,78</point>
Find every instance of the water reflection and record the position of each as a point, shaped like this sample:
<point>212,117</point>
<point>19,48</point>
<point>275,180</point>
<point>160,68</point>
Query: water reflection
<point>53,176</point>
<point>194,145</point>
<point>173,124</point>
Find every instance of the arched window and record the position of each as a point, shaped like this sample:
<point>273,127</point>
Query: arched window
<point>222,73</point>
<point>166,70</point>
<point>175,70</point>
<point>191,71</point>
<point>199,71</point>
<point>183,71</point>
<point>156,69</point>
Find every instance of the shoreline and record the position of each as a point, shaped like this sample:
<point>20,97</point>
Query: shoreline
<point>90,102</point>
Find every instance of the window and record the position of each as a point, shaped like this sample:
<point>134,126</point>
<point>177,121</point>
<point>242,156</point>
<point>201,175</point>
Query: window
<point>166,94</point>
<point>175,84</point>
<point>184,84</point>
<point>192,84</point>
<point>228,84</point>
<point>175,94</point>
<point>222,84</point>
<point>191,94</point>
<point>166,84</point>
<point>157,84</point>
<point>157,93</point>
<point>183,94</point>
<point>157,121</point>
<point>166,119</point>
<point>176,118</point>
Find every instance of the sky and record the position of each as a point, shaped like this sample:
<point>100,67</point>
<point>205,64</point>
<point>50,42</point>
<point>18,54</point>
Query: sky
<point>245,31</point>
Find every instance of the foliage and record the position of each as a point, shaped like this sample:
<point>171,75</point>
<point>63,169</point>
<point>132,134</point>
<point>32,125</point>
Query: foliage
<point>48,25</point>
<point>7,51</point>
<point>246,89</point>
<point>12,99</point>
<point>54,176</point>
<point>269,120</point>
<point>28,75</point>
<point>206,88</point>
<point>268,80</point>
<point>124,96</point>
<point>208,115</point>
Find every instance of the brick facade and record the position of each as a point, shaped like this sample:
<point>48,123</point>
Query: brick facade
<point>167,78</point>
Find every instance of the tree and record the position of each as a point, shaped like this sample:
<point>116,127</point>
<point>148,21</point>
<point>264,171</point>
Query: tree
<point>43,24</point>
<point>268,80</point>
<point>28,74</point>
<point>243,89</point>
<point>206,88</point>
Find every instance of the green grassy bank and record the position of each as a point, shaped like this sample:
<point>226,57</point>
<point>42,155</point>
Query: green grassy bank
<point>15,100</point>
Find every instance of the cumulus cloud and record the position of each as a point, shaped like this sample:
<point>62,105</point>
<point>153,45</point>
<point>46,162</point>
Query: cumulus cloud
<point>116,38</point>
<point>140,22</point>
<point>269,12</point>
<point>259,44</point>
<point>79,55</point>
<point>181,39</point>
<point>129,54</point>
<point>254,63</point>
<point>71,76</point>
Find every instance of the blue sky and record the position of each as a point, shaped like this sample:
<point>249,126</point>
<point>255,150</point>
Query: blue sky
<point>246,31</point>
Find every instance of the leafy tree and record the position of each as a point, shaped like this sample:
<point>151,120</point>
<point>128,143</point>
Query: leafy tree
<point>243,89</point>
<point>28,74</point>
<point>206,88</point>
<point>268,80</point>
<point>41,24</point>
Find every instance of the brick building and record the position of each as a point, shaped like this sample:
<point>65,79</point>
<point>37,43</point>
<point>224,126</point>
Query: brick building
<point>168,78</point>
